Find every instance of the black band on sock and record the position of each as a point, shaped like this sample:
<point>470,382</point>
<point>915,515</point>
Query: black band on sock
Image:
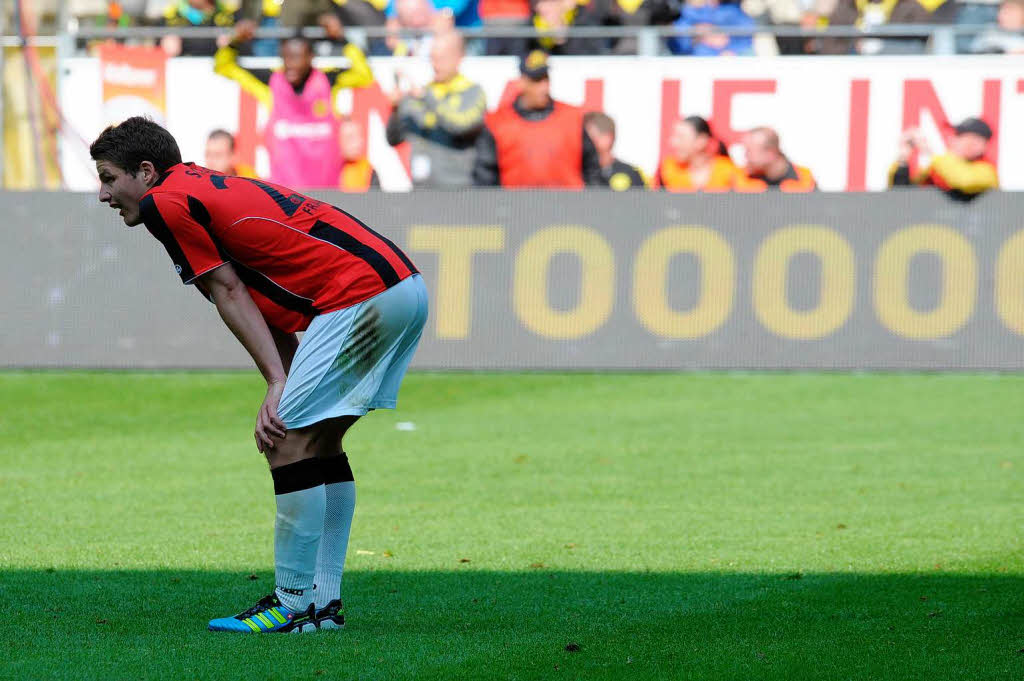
<point>305,474</point>
<point>337,469</point>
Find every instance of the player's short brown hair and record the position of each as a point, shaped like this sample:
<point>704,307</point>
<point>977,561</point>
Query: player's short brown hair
<point>133,141</point>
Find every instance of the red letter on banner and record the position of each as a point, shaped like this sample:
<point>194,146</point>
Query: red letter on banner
<point>369,100</point>
<point>593,95</point>
<point>669,114</point>
<point>248,137</point>
<point>991,112</point>
<point>721,104</point>
<point>857,152</point>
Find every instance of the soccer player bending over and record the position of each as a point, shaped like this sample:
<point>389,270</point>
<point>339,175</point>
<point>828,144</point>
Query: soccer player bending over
<point>275,262</point>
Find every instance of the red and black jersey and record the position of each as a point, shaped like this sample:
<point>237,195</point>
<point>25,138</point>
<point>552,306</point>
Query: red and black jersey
<point>298,257</point>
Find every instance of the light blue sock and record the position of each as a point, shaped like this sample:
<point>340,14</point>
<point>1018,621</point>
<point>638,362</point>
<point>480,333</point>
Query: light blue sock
<point>301,501</point>
<point>337,523</point>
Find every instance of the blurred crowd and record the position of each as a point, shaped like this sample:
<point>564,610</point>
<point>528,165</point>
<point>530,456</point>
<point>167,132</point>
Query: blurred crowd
<point>1001,23</point>
<point>530,141</point>
<point>452,138</point>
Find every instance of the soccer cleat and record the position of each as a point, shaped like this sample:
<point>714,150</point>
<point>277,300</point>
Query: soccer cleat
<point>268,615</point>
<point>331,616</point>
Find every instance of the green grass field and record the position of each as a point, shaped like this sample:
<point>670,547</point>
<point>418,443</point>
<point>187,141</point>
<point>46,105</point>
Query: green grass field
<point>691,526</point>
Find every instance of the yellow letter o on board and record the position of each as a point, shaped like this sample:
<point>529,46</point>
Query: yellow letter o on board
<point>718,279</point>
<point>597,285</point>
<point>1010,283</point>
<point>838,281</point>
<point>455,247</point>
<point>959,282</point>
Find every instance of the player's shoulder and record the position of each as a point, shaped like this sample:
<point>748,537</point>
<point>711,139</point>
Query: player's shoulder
<point>187,178</point>
<point>182,186</point>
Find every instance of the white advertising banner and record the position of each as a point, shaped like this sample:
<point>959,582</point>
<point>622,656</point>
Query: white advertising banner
<point>839,116</point>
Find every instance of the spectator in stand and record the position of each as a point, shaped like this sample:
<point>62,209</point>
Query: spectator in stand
<point>615,174</point>
<point>194,13</point>
<point>639,13</point>
<point>116,16</point>
<point>768,168</point>
<point>975,13</point>
<point>464,13</point>
<point>368,13</point>
<point>411,30</point>
<point>1008,37</point>
<point>866,15</point>
<point>441,120</point>
<point>535,141</point>
<point>301,135</point>
<point>552,19</point>
<point>806,14</point>
<point>697,160</point>
<point>438,15</point>
<point>357,175</point>
<point>503,14</point>
<point>705,16</point>
<point>962,172</point>
<point>220,155</point>
<point>360,12</point>
<point>270,18</point>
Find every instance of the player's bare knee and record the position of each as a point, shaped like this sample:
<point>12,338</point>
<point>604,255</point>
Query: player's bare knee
<point>295,446</point>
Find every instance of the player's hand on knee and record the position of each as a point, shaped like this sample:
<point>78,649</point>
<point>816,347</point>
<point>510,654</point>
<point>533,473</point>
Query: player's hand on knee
<point>268,424</point>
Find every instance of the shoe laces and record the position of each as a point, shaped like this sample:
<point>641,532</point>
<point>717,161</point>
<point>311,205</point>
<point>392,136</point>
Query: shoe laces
<point>265,603</point>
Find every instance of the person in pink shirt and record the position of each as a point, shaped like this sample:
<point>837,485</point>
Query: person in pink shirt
<point>302,131</point>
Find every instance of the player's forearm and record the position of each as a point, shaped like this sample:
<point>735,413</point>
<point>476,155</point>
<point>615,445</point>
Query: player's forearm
<point>240,314</point>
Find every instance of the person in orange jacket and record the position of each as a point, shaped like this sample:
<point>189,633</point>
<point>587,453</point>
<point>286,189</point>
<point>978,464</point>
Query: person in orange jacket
<point>536,141</point>
<point>768,168</point>
<point>698,161</point>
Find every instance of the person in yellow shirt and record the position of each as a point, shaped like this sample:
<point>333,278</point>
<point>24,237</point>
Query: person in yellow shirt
<point>441,120</point>
<point>961,173</point>
<point>196,14</point>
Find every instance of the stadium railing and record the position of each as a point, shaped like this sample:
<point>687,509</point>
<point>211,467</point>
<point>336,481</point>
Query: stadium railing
<point>649,39</point>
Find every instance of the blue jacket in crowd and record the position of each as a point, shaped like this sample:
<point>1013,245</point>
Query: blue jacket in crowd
<point>717,15</point>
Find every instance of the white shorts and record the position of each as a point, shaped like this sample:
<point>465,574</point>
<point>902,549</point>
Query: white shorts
<point>353,360</point>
